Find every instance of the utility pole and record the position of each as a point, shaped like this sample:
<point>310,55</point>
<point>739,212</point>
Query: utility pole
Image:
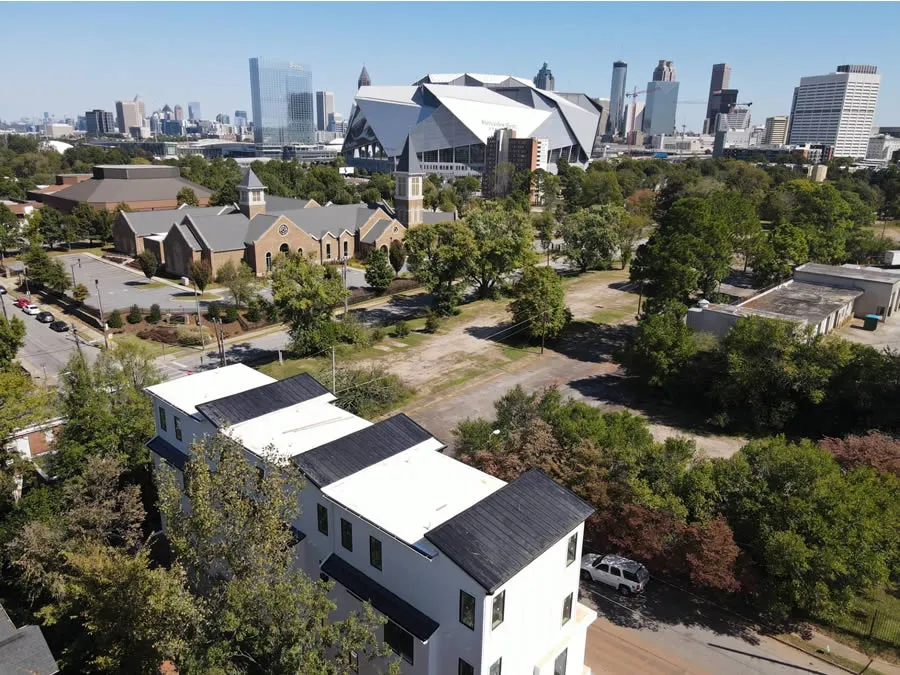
<point>345,288</point>
<point>25,273</point>
<point>102,317</point>
<point>199,323</point>
<point>333,371</point>
<point>77,343</point>
<point>3,302</point>
<point>543,329</point>
<point>72,266</point>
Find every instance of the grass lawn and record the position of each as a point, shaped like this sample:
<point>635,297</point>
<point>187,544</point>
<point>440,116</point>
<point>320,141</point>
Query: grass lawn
<point>188,296</point>
<point>853,666</point>
<point>155,348</point>
<point>853,629</point>
<point>149,285</point>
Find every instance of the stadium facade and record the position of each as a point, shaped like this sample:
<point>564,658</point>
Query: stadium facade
<point>451,116</point>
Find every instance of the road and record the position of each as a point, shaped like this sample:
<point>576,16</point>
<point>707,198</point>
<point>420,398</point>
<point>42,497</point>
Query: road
<point>668,632</point>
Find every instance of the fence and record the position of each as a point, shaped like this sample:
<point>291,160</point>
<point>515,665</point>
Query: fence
<point>878,625</point>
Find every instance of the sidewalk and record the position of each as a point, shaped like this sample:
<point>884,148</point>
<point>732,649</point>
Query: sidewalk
<point>820,642</point>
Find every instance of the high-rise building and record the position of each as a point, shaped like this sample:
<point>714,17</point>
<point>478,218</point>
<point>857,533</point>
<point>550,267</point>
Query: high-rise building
<point>128,115</point>
<point>178,113</point>
<point>518,154</point>
<point>721,75</point>
<point>634,121</point>
<point>166,112</point>
<point>283,107</point>
<point>194,111</point>
<point>721,103</point>
<point>544,79</point>
<point>222,118</point>
<point>660,107</point>
<point>240,118</point>
<point>664,71</point>
<point>836,109</point>
<point>737,118</point>
<point>776,130</point>
<point>616,124</point>
<point>336,124</point>
<point>364,79</point>
<point>324,108</point>
<point>99,122</point>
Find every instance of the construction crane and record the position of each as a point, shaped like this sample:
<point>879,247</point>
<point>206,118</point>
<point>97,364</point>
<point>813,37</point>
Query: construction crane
<point>633,96</point>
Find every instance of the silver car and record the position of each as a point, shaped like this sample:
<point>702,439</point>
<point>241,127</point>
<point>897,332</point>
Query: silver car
<point>626,576</point>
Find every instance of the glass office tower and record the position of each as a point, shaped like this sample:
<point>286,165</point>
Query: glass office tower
<point>283,106</point>
<point>615,125</point>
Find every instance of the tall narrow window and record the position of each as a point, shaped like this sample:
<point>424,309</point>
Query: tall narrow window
<point>498,608</point>
<point>465,668</point>
<point>177,421</point>
<point>559,665</point>
<point>495,667</point>
<point>322,519</point>
<point>567,609</point>
<point>399,640</point>
<point>466,610</point>
<point>328,251</point>
<point>346,244</point>
<point>162,419</point>
<point>375,553</point>
<point>346,535</point>
<point>572,549</point>
<point>268,262</point>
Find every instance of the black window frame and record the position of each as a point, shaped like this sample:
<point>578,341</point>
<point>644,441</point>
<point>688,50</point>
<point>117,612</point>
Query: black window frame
<point>462,598</point>
<point>391,633</point>
<point>564,655</point>
<point>572,549</point>
<point>353,660</point>
<point>322,519</point>
<point>568,603</point>
<point>615,571</point>
<point>496,667</point>
<point>176,420</point>
<point>501,596</point>
<point>465,668</point>
<point>162,419</point>
<point>373,545</point>
<point>346,534</point>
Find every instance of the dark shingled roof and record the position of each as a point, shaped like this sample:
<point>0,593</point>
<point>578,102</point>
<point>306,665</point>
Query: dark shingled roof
<point>392,606</point>
<point>409,161</point>
<point>247,405</point>
<point>354,452</point>
<point>168,452</point>
<point>496,538</point>
<point>24,650</point>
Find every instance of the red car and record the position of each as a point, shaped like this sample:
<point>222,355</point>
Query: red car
<point>21,302</point>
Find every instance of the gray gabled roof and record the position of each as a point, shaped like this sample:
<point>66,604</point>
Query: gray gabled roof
<point>250,181</point>
<point>259,226</point>
<point>317,222</point>
<point>377,230</point>
<point>221,233</point>
<point>277,205</point>
<point>114,191</point>
<point>247,405</point>
<point>432,217</point>
<point>24,650</point>
<point>188,236</point>
<point>496,538</point>
<point>143,223</point>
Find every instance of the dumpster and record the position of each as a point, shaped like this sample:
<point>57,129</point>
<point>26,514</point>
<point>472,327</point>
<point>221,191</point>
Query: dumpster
<point>870,322</point>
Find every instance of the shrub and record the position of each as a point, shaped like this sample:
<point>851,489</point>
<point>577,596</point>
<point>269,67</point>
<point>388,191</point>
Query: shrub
<point>253,313</point>
<point>351,331</point>
<point>115,319</point>
<point>401,329</point>
<point>367,392</point>
<point>377,334</point>
<point>231,314</point>
<point>189,338</point>
<point>432,322</point>
<point>80,293</point>
<point>163,334</point>
<point>214,311</point>
<point>155,314</point>
<point>135,315</point>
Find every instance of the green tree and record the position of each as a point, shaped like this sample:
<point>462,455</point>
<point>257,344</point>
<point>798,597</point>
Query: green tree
<point>114,320</point>
<point>200,274</point>
<point>504,242</point>
<point>661,347</point>
<point>55,276</point>
<point>80,293</point>
<point>540,302</point>
<point>240,281</point>
<point>148,263</point>
<point>600,187</point>
<point>305,295</point>
<point>134,315</point>
<point>589,237</point>
<point>545,228</point>
<point>738,214</point>
<point>367,392</point>
<point>51,225</point>
<point>440,255</point>
<point>397,255</point>
<point>239,556</point>
<point>628,230</point>
<point>81,221</point>
<point>775,256</point>
<point>9,230</point>
<point>187,196</point>
<point>12,338</point>
<point>379,273</point>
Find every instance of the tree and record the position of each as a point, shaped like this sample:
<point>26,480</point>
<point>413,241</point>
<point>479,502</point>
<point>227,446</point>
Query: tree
<point>134,315</point>
<point>240,281</point>
<point>305,295</point>
<point>661,347</point>
<point>440,255</point>
<point>540,303</point>
<point>148,263</point>
<point>55,276</point>
<point>81,221</point>
<point>12,338</point>
<point>9,230</point>
<point>379,273</point>
<point>239,556</point>
<point>504,242</point>
<point>80,293</point>
<point>187,196</point>
<point>628,230</point>
<point>367,392</point>
<point>50,225</point>
<point>397,255</point>
<point>200,274</point>
<point>875,450</point>
<point>115,319</point>
<point>738,214</point>
<point>589,237</point>
<point>600,188</point>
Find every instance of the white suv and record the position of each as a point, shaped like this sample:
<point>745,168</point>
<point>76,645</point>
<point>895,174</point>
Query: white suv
<point>626,576</point>
<point>31,309</point>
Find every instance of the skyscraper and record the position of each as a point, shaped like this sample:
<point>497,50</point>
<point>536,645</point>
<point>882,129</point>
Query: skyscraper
<point>721,75</point>
<point>776,130</point>
<point>194,111</point>
<point>616,124</point>
<point>99,122</point>
<point>128,115</point>
<point>364,79</point>
<point>544,78</point>
<point>282,97</point>
<point>178,112</point>
<point>836,109</point>
<point>324,108</point>
<point>660,107</point>
<point>240,118</point>
<point>664,72</point>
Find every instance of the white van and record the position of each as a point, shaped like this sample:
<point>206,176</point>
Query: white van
<point>626,576</point>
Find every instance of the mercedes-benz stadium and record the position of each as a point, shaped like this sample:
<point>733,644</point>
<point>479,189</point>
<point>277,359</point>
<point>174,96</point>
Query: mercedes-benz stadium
<point>451,116</point>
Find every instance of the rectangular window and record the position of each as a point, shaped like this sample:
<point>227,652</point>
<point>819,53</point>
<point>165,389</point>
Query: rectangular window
<point>162,419</point>
<point>497,611</point>
<point>177,426</point>
<point>495,667</point>
<point>375,553</point>
<point>559,665</point>
<point>572,549</point>
<point>465,668</point>
<point>466,610</point>
<point>322,519</point>
<point>346,535</point>
<point>399,640</point>
<point>328,251</point>
<point>345,248</point>
<point>353,660</point>
<point>567,609</point>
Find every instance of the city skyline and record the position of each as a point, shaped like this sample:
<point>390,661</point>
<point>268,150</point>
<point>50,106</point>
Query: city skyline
<point>218,78</point>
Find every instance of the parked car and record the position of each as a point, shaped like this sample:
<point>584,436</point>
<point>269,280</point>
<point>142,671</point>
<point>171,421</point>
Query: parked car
<point>21,302</point>
<point>59,326</point>
<point>3,290</point>
<point>626,576</point>
<point>31,310</point>
<point>46,317</point>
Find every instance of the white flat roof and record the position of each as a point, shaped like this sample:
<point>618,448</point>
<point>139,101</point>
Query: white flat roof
<point>413,492</point>
<point>186,393</point>
<point>294,430</point>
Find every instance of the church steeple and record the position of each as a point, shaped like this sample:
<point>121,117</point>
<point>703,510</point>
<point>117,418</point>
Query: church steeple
<point>364,79</point>
<point>251,195</point>
<point>408,191</point>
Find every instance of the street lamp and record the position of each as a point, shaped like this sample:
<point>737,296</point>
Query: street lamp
<point>199,323</point>
<point>25,273</point>
<point>72,267</point>
<point>102,318</point>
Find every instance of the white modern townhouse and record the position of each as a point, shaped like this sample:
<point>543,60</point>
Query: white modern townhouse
<point>473,575</point>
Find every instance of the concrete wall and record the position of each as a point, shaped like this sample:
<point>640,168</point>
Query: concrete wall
<point>878,297</point>
<point>710,320</point>
<point>124,239</point>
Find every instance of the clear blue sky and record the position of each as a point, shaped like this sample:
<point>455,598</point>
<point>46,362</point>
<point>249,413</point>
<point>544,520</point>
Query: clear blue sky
<point>68,58</point>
